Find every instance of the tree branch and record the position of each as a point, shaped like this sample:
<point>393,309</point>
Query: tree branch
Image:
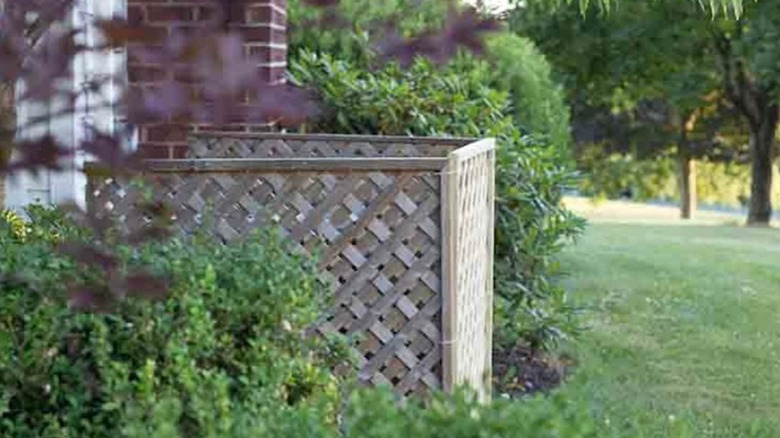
<point>739,88</point>
<point>38,28</point>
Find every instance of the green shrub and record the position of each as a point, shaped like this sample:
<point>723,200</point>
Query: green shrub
<point>44,223</point>
<point>728,184</point>
<point>515,64</point>
<point>537,101</point>
<point>720,184</point>
<point>376,413</point>
<point>227,338</point>
<point>48,223</point>
<point>359,22</point>
<point>532,228</point>
<point>221,356</point>
<point>12,225</point>
<point>420,100</point>
<point>532,225</point>
<point>608,177</point>
<point>373,414</point>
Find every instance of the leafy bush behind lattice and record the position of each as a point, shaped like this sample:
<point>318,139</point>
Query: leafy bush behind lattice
<point>532,226</point>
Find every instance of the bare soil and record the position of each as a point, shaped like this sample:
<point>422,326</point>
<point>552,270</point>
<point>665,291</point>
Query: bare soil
<point>520,371</point>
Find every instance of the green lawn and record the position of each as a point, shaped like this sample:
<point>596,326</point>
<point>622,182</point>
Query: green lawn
<point>684,329</point>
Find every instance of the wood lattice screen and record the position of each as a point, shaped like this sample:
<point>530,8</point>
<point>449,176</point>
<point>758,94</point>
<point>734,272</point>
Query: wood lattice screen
<point>405,226</point>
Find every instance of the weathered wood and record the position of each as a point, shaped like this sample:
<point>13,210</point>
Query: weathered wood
<point>468,267</point>
<point>475,149</point>
<point>228,165</point>
<point>454,141</point>
<point>316,146</point>
<point>370,213</point>
<point>449,224</point>
<point>487,378</point>
<point>399,236</point>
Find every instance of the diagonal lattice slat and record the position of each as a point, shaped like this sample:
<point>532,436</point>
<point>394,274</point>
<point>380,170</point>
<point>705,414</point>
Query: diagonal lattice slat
<point>379,232</point>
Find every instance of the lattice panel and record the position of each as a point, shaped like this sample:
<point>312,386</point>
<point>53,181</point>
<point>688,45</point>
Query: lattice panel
<point>301,146</point>
<point>470,295</point>
<point>409,259</point>
<point>382,249</point>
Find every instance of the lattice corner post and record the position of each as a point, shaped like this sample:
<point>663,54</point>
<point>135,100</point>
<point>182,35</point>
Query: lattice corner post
<point>468,218</point>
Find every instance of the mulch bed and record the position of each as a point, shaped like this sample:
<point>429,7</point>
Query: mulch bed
<point>520,371</point>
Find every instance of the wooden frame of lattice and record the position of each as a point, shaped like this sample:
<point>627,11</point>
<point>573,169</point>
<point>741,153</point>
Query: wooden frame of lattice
<point>404,227</point>
<point>468,221</point>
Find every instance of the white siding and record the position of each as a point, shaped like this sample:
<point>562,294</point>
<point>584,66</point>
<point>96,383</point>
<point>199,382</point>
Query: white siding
<point>93,110</point>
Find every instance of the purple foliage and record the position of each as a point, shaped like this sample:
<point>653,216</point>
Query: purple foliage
<point>37,52</point>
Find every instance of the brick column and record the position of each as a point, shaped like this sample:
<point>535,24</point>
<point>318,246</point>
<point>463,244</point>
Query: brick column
<point>263,26</point>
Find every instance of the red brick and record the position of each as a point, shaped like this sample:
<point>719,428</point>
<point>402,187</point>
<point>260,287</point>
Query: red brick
<point>166,133</point>
<point>151,34</point>
<point>253,18</point>
<point>237,13</point>
<point>157,14</point>
<point>179,151</point>
<point>154,151</point>
<point>234,128</point>
<point>263,34</point>
<point>268,54</point>
<point>266,127</point>
<point>134,52</point>
<point>188,29</point>
<point>222,128</point>
<point>272,74</point>
<point>139,74</point>
<point>205,13</point>
<point>135,14</point>
<point>265,14</point>
<point>185,76</point>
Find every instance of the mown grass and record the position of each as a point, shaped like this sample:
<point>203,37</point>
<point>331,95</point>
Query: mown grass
<point>684,329</point>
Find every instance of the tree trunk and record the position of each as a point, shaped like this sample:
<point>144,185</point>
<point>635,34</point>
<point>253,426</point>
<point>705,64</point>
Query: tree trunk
<point>688,198</point>
<point>758,105</point>
<point>762,156</point>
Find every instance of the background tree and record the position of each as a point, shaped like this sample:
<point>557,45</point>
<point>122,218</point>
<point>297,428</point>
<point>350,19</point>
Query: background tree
<point>749,63</point>
<point>538,102</point>
<point>669,51</point>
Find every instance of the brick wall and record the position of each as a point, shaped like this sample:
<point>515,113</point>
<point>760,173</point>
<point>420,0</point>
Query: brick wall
<point>263,25</point>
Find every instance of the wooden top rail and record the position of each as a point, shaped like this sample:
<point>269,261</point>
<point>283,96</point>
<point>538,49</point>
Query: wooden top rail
<point>454,141</point>
<point>474,149</point>
<point>240,165</point>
